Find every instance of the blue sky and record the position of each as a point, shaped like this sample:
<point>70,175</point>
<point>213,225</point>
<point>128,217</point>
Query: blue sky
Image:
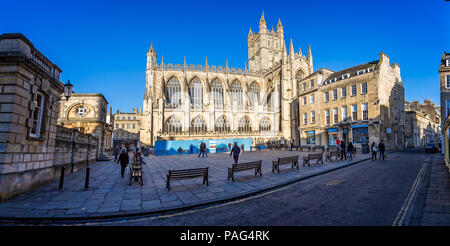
<point>101,45</point>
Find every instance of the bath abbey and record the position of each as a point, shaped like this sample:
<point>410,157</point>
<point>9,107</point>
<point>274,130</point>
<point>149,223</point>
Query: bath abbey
<point>200,102</point>
<point>277,97</point>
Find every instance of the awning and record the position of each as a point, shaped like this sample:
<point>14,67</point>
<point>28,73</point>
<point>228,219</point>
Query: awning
<point>360,126</point>
<point>310,132</point>
<point>332,130</point>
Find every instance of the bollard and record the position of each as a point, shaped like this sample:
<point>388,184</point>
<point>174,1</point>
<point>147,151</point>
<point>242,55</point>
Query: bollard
<point>86,183</point>
<point>61,179</point>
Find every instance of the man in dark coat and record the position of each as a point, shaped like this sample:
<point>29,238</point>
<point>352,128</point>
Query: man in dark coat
<point>235,152</point>
<point>202,150</point>
<point>381,148</point>
<point>343,153</point>
<point>124,160</point>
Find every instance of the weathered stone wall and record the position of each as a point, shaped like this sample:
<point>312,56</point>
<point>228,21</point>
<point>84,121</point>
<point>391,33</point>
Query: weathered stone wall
<point>74,149</point>
<point>31,148</point>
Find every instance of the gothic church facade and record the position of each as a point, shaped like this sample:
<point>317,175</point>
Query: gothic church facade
<point>184,101</point>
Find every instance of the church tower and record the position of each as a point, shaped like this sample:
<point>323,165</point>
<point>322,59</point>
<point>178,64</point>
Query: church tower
<point>265,47</point>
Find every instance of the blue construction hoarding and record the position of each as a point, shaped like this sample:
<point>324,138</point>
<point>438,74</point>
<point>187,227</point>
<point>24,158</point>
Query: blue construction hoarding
<point>213,145</point>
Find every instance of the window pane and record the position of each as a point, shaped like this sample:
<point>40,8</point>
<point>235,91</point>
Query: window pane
<point>217,90</point>
<point>173,93</point>
<point>236,93</point>
<point>196,93</point>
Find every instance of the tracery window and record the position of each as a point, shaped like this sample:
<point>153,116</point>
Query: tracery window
<point>236,93</point>
<point>196,93</point>
<point>222,125</point>
<point>264,124</point>
<point>217,90</point>
<point>244,125</point>
<point>173,125</point>
<point>198,125</point>
<point>173,93</point>
<point>253,94</point>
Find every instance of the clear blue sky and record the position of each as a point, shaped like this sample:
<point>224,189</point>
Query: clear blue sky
<point>101,45</point>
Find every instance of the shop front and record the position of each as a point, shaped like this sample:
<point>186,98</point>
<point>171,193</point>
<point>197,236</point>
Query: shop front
<point>360,134</point>
<point>332,135</point>
<point>310,137</point>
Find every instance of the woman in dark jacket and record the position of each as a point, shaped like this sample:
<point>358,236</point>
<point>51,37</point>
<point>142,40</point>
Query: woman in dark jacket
<point>350,150</point>
<point>374,150</point>
<point>123,159</point>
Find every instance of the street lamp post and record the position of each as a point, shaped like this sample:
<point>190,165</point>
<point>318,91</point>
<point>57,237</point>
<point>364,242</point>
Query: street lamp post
<point>67,94</point>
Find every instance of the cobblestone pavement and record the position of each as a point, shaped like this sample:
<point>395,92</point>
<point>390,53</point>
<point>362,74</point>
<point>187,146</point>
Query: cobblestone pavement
<point>436,211</point>
<point>109,194</point>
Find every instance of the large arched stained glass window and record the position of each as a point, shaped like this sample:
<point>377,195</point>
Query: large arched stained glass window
<point>217,90</point>
<point>196,93</point>
<point>244,125</point>
<point>173,125</point>
<point>264,125</point>
<point>173,93</point>
<point>236,93</point>
<point>222,125</point>
<point>253,94</point>
<point>198,125</point>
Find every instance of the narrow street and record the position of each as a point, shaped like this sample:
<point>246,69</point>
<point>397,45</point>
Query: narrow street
<point>370,193</point>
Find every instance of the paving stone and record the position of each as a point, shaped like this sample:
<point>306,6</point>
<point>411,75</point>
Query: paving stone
<point>151,204</point>
<point>108,192</point>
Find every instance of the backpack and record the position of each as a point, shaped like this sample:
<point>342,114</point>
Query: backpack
<point>374,148</point>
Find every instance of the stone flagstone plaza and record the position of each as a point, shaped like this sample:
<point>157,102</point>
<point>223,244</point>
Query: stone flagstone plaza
<point>110,195</point>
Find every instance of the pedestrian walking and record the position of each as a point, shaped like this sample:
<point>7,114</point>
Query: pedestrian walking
<point>229,146</point>
<point>338,142</point>
<point>235,152</point>
<point>242,147</point>
<point>343,153</point>
<point>116,152</point>
<point>374,151</point>
<point>139,155</point>
<point>350,150</point>
<point>124,159</point>
<point>191,149</point>
<point>202,150</point>
<point>381,148</point>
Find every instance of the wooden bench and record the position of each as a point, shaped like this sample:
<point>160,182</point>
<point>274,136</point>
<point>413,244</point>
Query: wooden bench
<point>330,154</point>
<point>136,172</point>
<point>284,160</point>
<point>313,156</point>
<point>243,167</point>
<point>319,148</point>
<point>187,174</point>
<point>303,148</point>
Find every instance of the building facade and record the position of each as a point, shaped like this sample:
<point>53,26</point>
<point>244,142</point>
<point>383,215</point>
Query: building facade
<point>208,102</point>
<point>29,92</point>
<point>87,112</point>
<point>444,74</point>
<point>422,123</point>
<point>364,103</point>
<point>127,128</point>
